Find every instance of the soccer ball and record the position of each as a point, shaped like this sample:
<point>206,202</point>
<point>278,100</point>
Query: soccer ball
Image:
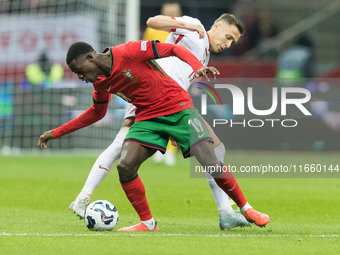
<point>101,215</point>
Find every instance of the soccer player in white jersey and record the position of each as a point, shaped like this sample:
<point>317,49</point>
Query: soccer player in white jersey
<point>189,32</point>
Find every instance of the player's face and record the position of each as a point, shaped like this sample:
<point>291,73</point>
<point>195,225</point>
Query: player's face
<point>85,68</point>
<point>223,36</point>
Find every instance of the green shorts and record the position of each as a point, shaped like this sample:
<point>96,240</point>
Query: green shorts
<point>185,127</point>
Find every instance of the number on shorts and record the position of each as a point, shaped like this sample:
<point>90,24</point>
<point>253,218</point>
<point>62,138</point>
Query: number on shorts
<point>197,124</point>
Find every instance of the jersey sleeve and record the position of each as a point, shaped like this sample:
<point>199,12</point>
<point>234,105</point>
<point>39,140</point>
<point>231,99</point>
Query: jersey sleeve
<point>96,112</point>
<point>181,52</point>
<point>187,19</point>
<point>141,51</point>
<point>190,39</point>
<point>148,50</point>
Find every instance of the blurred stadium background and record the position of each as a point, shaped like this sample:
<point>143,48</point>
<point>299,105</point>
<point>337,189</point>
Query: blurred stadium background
<point>30,29</point>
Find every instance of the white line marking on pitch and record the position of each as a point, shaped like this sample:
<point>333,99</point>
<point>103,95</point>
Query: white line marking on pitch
<point>168,235</point>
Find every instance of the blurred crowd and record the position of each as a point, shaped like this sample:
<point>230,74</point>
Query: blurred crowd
<point>261,28</point>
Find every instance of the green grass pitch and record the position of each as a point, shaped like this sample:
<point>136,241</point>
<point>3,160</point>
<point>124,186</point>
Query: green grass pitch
<point>37,190</point>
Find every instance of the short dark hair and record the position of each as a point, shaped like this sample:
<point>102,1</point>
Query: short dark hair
<point>76,50</point>
<point>231,20</point>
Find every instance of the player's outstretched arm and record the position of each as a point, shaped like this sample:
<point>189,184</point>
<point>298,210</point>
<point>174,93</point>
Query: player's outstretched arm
<point>96,112</point>
<point>180,51</point>
<point>44,138</point>
<point>168,49</point>
<point>205,70</point>
<point>166,23</point>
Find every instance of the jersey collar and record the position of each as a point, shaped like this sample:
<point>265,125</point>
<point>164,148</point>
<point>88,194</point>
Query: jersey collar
<point>106,50</point>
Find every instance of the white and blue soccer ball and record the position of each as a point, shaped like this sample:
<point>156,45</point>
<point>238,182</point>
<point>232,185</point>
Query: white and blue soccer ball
<point>101,215</point>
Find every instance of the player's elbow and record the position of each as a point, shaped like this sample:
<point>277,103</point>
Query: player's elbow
<point>156,22</point>
<point>151,22</point>
<point>99,111</point>
<point>100,115</point>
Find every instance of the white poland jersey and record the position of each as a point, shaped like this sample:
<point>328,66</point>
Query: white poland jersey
<point>174,67</point>
<point>178,70</point>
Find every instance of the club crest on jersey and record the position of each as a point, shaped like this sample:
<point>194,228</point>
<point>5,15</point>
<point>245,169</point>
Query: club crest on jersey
<point>128,74</point>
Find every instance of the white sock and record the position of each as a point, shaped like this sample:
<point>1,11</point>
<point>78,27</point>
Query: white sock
<point>221,198</point>
<point>150,223</point>
<point>245,208</point>
<point>104,164</point>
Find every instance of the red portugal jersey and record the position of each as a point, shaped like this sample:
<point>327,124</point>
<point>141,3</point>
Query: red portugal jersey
<point>136,78</point>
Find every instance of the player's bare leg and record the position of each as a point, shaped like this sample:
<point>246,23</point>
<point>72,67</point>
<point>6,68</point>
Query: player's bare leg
<point>227,217</point>
<point>100,169</point>
<point>169,157</point>
<point>132,156</point>
<point>227,182</point>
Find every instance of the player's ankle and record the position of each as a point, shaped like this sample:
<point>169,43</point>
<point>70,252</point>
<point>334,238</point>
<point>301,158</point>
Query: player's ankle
<point>244,208</point>
<point>225,210</point>
<point>149,223</point>
<point>85,194</point>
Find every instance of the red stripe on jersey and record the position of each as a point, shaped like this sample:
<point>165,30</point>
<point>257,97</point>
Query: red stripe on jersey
<point>208,39</point>
<point>179,38</point>
<point>173,30</point>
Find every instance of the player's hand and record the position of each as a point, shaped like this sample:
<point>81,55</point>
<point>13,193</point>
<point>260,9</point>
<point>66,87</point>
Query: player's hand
<point>44,138</point>
<point>173,142</point>
<point>204,70</point>
<point>197,28</point>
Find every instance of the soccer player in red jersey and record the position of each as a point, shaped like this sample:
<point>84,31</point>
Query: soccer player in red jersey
<point>189,32</point>
<point>163,111</point>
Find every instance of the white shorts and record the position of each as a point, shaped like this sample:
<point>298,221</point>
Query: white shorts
<point>130,111</point>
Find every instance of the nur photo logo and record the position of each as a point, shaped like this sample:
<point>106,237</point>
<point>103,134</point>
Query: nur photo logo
<point>243,102</point>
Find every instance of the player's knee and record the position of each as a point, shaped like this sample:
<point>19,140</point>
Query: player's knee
<point>205,155</point>
<point>126,170</point>
<point>212,161</point>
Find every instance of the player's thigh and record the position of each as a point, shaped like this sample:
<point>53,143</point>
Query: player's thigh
<point>148,133</point>
<point>204,153</point>
<point>128,122</point>
<point>132,156</point>
<point>198,130</point>
<point>190,131</point>
<point>217,141</point>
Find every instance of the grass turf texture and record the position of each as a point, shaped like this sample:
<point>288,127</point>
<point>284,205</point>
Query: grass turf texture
<point>36,192</point>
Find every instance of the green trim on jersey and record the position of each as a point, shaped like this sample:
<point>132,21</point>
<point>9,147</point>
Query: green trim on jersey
<point>154,48</point>
<point>157,67</point>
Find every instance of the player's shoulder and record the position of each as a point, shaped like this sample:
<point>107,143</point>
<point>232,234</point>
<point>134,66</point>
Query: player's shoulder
<point>141,43</point>
<point>127,47</point>
<point>189,19</point>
